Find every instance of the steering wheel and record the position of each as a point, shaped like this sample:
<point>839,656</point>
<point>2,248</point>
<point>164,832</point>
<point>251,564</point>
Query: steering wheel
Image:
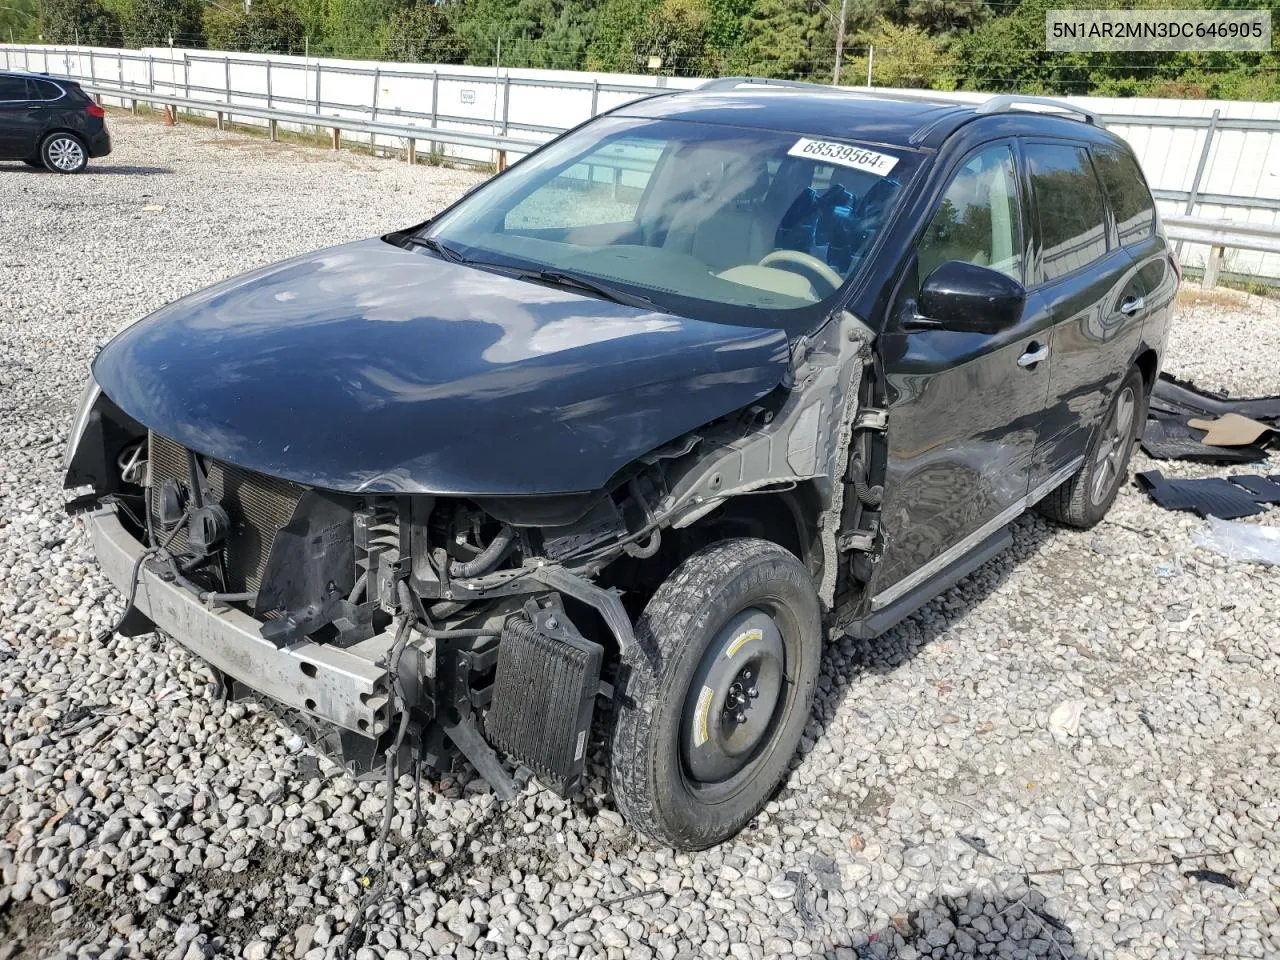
<point>805,264</point>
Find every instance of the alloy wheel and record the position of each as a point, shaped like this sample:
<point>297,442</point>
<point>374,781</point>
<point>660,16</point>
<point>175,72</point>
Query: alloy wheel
<point>1109,459</point>
<point>65,153</point>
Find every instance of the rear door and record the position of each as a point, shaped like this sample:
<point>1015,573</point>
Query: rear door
<point>964,408</point>
<point>1134,212</point>
<point>1091,288</point>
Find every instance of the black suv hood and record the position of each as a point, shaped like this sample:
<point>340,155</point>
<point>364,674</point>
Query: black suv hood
<point>369,368</point>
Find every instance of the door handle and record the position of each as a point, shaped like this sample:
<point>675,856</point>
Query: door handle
<point>1131,305</point>
<point>1034,354</point>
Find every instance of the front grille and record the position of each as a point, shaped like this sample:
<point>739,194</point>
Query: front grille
<point>257,507</point>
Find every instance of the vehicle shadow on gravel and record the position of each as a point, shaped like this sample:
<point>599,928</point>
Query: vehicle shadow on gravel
<point>848,659</point>
<point>976,925</point>
<point>91,171</point>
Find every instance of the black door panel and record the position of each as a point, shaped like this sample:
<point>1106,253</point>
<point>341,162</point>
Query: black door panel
<point>964,409</point>
<point>1096,334</point>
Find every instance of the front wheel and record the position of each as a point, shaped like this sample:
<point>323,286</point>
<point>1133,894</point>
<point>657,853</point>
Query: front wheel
<point>64,153</point>
<point>1085,499</point>
<point>710,712</point>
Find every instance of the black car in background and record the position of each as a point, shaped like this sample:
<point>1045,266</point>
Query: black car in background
<point>631,431</point>
<point>50,122</point>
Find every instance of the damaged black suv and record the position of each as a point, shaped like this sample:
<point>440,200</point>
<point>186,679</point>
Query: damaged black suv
<point>617,441</point>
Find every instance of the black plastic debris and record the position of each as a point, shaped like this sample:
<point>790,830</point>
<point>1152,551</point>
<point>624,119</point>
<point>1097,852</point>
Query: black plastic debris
<point>1211,876</point>
<point>1261,489</point>
<point>1211,497</point>
<point>1179,398</point>
<point>1171,438</point>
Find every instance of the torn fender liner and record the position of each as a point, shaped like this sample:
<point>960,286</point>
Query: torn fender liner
<point>1172,438</point>
<point>1212,497</point>
<point>1181,398</point>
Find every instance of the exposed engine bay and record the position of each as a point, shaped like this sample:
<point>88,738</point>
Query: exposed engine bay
<point>435,627</point>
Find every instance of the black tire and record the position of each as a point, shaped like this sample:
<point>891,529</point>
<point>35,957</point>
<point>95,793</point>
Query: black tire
<point>64,152</point>
<point>34,163</point>
<point>722,600</point>
<point>1085,499</point>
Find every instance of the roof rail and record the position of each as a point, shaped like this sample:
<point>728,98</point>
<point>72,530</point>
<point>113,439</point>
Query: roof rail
<point>1008,102</point>
<point>732,83</point>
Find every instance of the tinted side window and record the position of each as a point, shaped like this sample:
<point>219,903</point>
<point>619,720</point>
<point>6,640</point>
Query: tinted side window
<point>1069,206</point>
<point>13,88</point>
<point>1130,199</point>
<point>43,90</point>
<point>977,220</point>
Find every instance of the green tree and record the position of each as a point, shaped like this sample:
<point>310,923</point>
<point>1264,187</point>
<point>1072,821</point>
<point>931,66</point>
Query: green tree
<point>78,21</point>
<point>423,33</point>
<point>19,20</point>
<point>904,57</point>
<point>673,36</point>
<point>151,23</point>
<point>944,16</point>
<point>786,38</point>
<point>269,26</point>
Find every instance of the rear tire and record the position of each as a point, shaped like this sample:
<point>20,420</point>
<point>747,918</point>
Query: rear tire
<point>709,713</point>
<point>64,153</point>
<point>1085,499</point>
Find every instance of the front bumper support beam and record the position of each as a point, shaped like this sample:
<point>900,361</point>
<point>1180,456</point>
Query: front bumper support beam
<point>346,687</point>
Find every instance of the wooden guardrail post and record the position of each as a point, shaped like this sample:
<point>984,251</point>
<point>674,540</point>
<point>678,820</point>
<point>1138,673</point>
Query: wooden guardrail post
<point>273,130</point>
<point>219,119</point>
<point>1211,268</point>
<point>411,151</point>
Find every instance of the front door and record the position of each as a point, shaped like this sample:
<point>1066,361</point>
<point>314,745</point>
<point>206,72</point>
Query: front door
<point>15,126</point>
<point>964,408</point>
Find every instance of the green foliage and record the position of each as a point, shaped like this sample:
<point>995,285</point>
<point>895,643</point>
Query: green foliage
<point>19,21</point>
<point>269,26</point>
<point>151,23</point>
<point>78,21</point>
<point>672,39</point>
<point>905,56</point>
<point>991,45</point>
<point>422,33</point>
<point>783,38</point>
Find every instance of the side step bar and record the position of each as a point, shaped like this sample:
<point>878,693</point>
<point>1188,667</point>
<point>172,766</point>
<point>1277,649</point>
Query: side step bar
<point>886,618</point>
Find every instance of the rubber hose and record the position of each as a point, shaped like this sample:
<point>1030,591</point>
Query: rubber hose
<point>869,496</point>
<point>488,558</point>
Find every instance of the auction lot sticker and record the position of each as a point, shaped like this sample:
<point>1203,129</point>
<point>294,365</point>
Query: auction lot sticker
<point>1102,31</point>
<point>844,154</point>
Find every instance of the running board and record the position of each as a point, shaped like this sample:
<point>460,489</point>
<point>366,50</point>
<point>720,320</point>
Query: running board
<point>890,615</point>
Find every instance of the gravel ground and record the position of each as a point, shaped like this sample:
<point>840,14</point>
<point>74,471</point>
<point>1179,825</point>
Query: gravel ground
<point>1033,766</point>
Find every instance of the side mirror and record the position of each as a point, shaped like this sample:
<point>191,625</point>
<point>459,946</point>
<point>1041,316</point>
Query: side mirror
<point>966,298</point>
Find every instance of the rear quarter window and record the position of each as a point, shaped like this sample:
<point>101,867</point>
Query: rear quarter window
<point>1131,201</point>
<point>1069,207</point>
<point>43,90</point>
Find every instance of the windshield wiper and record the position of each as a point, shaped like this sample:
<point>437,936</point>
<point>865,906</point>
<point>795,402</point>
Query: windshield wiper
<point>561,278</point>
<point>438,248</point>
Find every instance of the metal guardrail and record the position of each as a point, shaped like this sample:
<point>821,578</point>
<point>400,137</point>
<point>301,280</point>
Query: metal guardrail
<point>500,144</point>
<point>1220,235</point>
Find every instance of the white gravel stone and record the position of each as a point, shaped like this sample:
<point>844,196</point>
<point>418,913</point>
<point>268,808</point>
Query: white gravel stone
<point>933,783</point>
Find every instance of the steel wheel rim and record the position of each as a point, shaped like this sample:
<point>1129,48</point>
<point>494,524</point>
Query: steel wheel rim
<point>65,153</point>
<point>734,705</point>
<point>1109,459</point>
